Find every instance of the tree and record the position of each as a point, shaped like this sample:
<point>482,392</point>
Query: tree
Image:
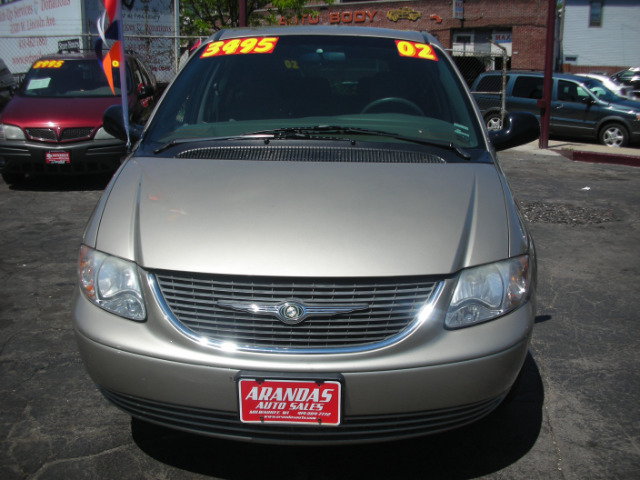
<point>203,17</point>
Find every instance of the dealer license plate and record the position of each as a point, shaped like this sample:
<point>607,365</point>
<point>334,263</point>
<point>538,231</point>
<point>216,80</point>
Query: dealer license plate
<point>302,402</point>
<point>57,157</point>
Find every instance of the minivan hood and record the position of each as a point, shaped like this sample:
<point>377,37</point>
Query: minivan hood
<point>303,218</point>
<point>31,112</point>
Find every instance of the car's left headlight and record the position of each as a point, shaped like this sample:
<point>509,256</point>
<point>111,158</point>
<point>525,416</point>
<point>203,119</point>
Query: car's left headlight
<point>111,283</point>
<point>11,132</point>
<point>489,291</point>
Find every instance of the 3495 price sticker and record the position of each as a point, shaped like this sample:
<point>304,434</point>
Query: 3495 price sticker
<point>240,46</point>
<point>48,64</point>
<point>415,50</point>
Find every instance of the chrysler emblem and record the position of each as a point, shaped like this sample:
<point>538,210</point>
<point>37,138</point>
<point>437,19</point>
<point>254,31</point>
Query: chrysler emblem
<point>292,312</point>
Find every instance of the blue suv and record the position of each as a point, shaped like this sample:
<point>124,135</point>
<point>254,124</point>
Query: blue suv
<point>580,107</point>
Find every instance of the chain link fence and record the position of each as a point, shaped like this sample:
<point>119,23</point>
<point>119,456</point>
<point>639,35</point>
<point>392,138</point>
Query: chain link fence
<point>163,54</point>
<point>473,64</point>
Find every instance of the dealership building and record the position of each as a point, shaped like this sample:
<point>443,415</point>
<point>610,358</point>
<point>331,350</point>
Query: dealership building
<point>492,29</point>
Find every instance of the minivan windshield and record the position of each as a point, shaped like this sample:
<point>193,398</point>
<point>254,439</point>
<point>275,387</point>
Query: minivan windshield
<point>68,78</point>
<point>247,85</point>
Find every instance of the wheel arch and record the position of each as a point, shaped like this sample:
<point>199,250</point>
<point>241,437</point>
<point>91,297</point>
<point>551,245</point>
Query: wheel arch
<point>617,122</point>
<point>612,119</point>
<point>492,111</point>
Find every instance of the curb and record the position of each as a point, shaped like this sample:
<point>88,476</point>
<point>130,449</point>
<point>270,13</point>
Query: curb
<point>598,157</point>
<point>585,152</point>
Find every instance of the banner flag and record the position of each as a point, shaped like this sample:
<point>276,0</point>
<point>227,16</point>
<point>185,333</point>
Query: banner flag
<point>115,57</point>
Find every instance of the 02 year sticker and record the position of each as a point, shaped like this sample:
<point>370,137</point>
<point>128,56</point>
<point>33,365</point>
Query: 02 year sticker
<point>415,50</point>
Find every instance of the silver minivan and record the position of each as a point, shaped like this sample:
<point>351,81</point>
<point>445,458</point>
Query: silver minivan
<point>312,241</point>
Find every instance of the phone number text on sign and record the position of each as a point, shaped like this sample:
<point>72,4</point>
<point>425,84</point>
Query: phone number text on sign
<point>240,46</point>
<point>415,50</point>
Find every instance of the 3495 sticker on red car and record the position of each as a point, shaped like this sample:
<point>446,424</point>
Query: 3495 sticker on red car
<point>48,64</point>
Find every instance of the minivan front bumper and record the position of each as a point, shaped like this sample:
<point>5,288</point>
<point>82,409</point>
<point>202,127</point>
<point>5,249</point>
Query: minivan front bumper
<point>386,393</point>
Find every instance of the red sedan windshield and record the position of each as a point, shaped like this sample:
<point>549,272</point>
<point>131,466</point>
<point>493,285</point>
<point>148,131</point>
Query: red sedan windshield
<point>68,79</point>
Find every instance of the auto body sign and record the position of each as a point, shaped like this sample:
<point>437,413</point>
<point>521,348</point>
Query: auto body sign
<point>290,402</point>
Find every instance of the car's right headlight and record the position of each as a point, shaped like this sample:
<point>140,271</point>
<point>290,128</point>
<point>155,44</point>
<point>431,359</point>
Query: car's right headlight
<point>490,291</point>
<point>102,134</point>
<point>111,283</point>
<point>10,132</point>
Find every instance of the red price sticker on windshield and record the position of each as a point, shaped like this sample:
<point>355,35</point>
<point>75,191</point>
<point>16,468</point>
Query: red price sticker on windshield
<point>415,50</point>
<point>240,46</point>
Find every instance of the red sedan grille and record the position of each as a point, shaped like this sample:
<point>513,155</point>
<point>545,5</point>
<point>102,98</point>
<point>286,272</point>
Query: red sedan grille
<point>67,135</point>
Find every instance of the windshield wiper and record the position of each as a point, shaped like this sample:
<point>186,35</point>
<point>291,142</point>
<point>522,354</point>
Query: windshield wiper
<point>179,141</point>
<point>288,133</point>
<point>275,134</point>
<point>292,132</point>
<point>304,132</point>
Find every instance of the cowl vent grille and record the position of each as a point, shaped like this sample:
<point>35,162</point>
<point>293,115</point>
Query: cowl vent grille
<point>310,154</point>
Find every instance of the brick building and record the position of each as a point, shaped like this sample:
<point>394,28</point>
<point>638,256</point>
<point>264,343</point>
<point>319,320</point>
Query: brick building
<point>471,28</point>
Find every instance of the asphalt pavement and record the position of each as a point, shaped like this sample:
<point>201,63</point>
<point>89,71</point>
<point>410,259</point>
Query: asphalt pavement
<point>575,415</point>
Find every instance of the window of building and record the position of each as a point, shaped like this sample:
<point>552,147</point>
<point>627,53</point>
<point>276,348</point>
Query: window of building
<point>595,13</point>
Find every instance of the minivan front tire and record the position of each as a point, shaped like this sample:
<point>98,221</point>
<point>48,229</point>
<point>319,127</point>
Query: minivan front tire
<point>614,135</point>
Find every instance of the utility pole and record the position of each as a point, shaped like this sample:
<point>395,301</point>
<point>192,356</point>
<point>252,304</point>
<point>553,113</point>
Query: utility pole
<point>545,102</point>
<point>242,13</point>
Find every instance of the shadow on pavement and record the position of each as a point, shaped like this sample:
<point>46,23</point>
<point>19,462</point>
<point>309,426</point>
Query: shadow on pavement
<point>67,183</point>
<point>486,446</point>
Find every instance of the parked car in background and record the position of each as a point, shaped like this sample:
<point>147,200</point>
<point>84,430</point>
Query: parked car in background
<point>623,91</point>
<point>580,107</point>
<point>629,77</point>
<point>312,242</point>
<point>7,84</point>
<point>53,124</point>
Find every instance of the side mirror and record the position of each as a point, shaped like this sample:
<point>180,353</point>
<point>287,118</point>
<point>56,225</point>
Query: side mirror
<point>113,123</point>
<point>145,91</point>
<point>518,128</point>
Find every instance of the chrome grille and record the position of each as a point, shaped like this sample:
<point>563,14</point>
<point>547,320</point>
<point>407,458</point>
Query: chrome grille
<point>46,134</point>
<point>193,303</point>
<point>75,133</point>
<point>67,135</point>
